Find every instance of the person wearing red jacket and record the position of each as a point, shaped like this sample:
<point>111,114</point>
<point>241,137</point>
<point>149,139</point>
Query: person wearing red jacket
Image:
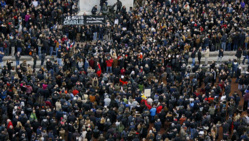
<point>91,63</point>
<point>146,104</point>
<point>209,99</point>
<point>109,62</point>
<point>99,70</point>
<point>122,71</point>
<point>123,82</point>
<point>159,109</point>
<point>9,123</point>
<point>75,92</point>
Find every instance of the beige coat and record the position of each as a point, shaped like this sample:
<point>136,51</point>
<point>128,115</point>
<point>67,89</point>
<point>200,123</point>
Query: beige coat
<point>58,106</point>
<point>207,53</point>
<point>62,134</point>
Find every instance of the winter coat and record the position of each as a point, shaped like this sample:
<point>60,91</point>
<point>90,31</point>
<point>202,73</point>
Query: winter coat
<point>207,53</point>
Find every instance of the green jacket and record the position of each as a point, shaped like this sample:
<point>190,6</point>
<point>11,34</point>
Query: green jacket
<point>33,116</point>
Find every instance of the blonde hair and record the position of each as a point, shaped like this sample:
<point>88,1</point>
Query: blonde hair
<point>102,121</point>
<point>19,124</point>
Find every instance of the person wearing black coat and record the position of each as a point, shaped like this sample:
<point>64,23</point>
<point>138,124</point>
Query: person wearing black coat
<point>199,56</point>
<point>49,65</point>
<point>223,41</point>
<point>94,10</point>
<point>35,124</point>
<point>43,56</point>
<point>227,89</point>
<point>235,41</point>
<point>186,56</point>
<point>246,56</point>
<point>220,55</point>
<point>46,46</point>
<point>101,32</point>
<point>201,76</point>
<point>96,132</point>
<point>225,127</point>
<point>119,5</point>
<point>2,136</point>
<point>10,132</point>
<point>193,54</point>
<point>239,54</point>
<point>89,134</point>
<point>237,74</point>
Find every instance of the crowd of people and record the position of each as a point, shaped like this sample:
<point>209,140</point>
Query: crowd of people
<point>93,85</point>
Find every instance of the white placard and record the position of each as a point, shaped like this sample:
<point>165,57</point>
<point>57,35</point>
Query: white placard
<point>147,92</point>
<point>116,21</point>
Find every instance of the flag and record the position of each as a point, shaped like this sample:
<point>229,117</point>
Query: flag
<point>70,45</point>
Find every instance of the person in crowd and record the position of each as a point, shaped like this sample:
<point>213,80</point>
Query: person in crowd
<point>119,5</point>
<point>193,54</point>
<point>206,55</point>
<point>109,63</point>
<point>224,41</point>
<point>199,55</point>
<point>104,9</point>
<point>102,2</point>
<point>246,56</point>
<point>135,84</point>
<point>1,59</point>
<point>220,55</point>
<point>94,10</point>
<point>18,56</point>
<point>239,54</point>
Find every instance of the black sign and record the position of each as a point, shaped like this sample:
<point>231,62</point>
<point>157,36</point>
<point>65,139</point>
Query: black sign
<point>74,20</point>
<point>81,20</point>
<point>94,20</point>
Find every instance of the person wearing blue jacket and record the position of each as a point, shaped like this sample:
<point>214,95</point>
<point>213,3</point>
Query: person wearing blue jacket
<point>1,58</point>
<point>86,64</point>
<point>3,95</point>
<point>234,67</point>
<point>152,113</point>
<point>3,3</point>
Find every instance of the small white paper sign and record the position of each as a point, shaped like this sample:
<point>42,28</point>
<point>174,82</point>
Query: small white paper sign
<point>147,92</point>
<point>116,21</point>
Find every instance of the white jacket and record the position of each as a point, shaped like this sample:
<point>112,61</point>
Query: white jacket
<point>58,106</point>
<point>207,53</point>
